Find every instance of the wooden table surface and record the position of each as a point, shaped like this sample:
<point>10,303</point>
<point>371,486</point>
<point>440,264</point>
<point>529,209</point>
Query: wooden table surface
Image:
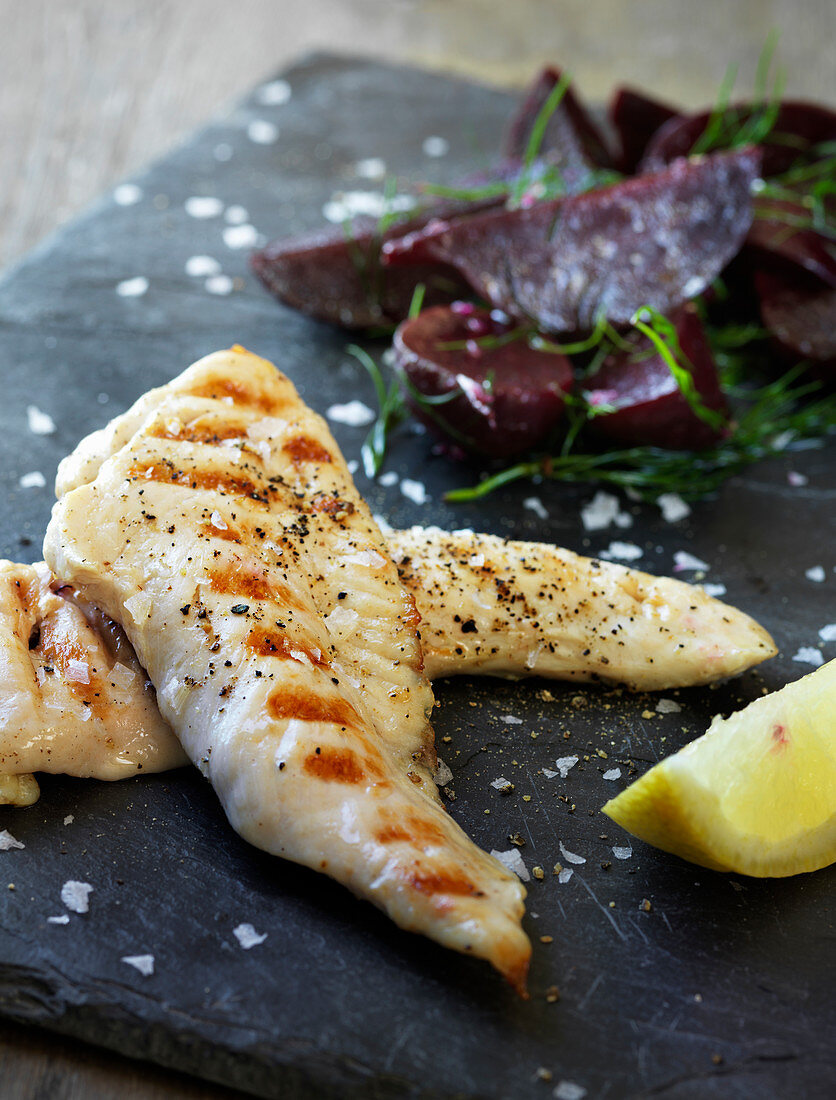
<point>91,91</point>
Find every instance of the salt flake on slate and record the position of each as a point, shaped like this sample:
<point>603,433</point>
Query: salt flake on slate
<point>828,633</point>
<point>370,168</point>
<point>388,479</point>
<point>236,214</point>
<point>132,288</point>
<point>673,507</point>
<point>815,574</point>
<point>683,561</point>
<point>564,875</point>
<point>414,490</point>
<point>7,841</point>
<point>565,764</point>
<point>219,284</point>
<point>354,413</point>
<point>548,773</point>
<point>247,936</point>
<point>511,720</point>
<point>203,206</point>
<point>602,510</point>
<point>622,853</point>
<point>570,857</point>
<point>33,480</point>
<point>201,266</point>
<point>796,479</point>
<point>63,919</point>
<point>809,655</point>
<point>435,146</point>
<point>40,423</point>
<point>76,896</point>
<point>262,132</point>
<point>613,773</point>
<point>514,862</point>
<point>535,505</point>
<point>714,589</point>
<point>568,1090</point>
<point>240,236</point>
<point>143,963</point>
<point>622,551</point>
<point>502,784</point>
<point>127,194</point>
<point>668,706</point>
<point>273,94</point>
<point>69,819</point>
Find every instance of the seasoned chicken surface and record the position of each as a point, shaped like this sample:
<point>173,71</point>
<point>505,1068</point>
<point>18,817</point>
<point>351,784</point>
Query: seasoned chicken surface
<point>74,698</point>
<point>524,608</point>
<point>227,538</point>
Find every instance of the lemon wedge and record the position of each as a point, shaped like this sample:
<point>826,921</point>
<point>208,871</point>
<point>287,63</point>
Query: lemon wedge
<point>756,794</point>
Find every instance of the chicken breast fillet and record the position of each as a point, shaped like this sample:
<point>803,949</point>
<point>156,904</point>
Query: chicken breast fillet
<point>73,697</point>
<point>227,538</point>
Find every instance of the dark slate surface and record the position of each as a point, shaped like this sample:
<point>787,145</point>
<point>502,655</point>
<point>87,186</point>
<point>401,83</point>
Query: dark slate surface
<point>723,989</point>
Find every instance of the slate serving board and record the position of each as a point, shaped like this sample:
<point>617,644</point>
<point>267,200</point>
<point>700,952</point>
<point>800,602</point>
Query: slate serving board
<point>723,988</point>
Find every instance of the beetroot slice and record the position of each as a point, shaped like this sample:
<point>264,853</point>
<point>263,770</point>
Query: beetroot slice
<point>800,316</point>
<point>507,399</point>
<point>777,243</point>
<point>649,407</point>
<point>655,240</point>
<point>636,118</point>
<point>571,139</point>
<point>798,127</point>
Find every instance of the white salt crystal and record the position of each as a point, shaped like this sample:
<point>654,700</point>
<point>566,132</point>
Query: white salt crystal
<point>714,589</point>
<point>673,507</point>
<point>535,505</point>
<point>828,633</point>
<point>548,773</point>
<point>273,94</point>
<point>796,479</point>
<point>262,131</point>
<point>132,288</point>
<point>203,206</point>
<point>240,236</point>
<point>622,551</point>
<point>415,490</point>
<point>247,936</point>
<point>565,764</point>
<point>33,480</point>
<point>442,774</point>
<point>435,146</point>
<point>602,510</point>
<point>809,655</point>
<point>622,853</point>
<point>668,706</point>
<point>683,560</point>
<point>370,168</point>
<point>7,841</point>
<point>613,773</point>
<point>76,895</point>
<point>40,423</point>
<point>476,561</point>
<point>815,574</point>
<point>236,214</point>
<point>514,862</point>
<point>69,819</point>
<point>219,284</point>
<point>78,671</point>
<point>570,857</point>
<point>501,784</point>
<point>511,720</point>
<point>388,479</point>
<point>568,1090</point>
<point>564,875</point>
<point>354,413</point>
<point>201,266</point>
<point>143,963</point>
<point>127,194</point>
<point>63,919</point>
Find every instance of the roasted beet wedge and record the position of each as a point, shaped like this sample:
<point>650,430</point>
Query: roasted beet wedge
<point>334,274</point>
<point>776,242</point>
<point>798,128</point>
<point>502,400</point>
<point>636,118</point>
<point>649,407</point>
<point>800,315</point>
<point>571,139</point>
<point>657,240</point>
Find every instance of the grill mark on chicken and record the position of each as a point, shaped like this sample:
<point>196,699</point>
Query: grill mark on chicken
<point>220,388</point>
<point>197,478</point>
<point>443,882</point>
<point>302,449</point>
<point>411,830</point>
<point>337,765</point>
<point>198,432</point>
<point>266,644</point>
<point>252,582</point>
<point>306,706</point>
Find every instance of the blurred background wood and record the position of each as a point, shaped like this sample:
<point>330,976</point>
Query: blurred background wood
<point>91,90</point>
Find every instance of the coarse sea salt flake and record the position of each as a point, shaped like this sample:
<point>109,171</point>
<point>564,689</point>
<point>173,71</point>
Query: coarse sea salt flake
<point>127,194</point>
<point>33,480</point>
<point>414,490</point>
<point>69,819</point>
<point>828,633</point>
<point>389,478</point>
<point>240,236</point>
<point>568,1090</point>
<point>442,776</point>
<point>435,146</point>
<point>565,764</point>
<point>548,773</point>
<point>217,520</point>
<point>511,720</point>
<point>40,423</point>
<point>683,561</point>
<point>370,168</point>
<point>201,266</point>
<point>236,214</point>
<point>714,589</point>
<point>564,875</point>
<point>7,841</point>
<point>514,862</point>
<point>262,132</point>
<point>476,561</point>
<point>673,507</point>
<point>535,505</point>
<point>203,206</point>
<point>796,479</point>
<point>247,936</point>
<point>76,895</point>
<point>353,413</point>
<point>63,919</point>
<point>668,706</point>
<point>622,853</point>
<point>273,94</point>
<point>809,655</point>
<point>78,671</point>
<point>570,857</point>
<point>138,607</point>
<point>622,551</point>
<point>815,574</point>
<point>143,963</point>
<point>613,773</point>
<point>132,288</point>
<point>602,510</point>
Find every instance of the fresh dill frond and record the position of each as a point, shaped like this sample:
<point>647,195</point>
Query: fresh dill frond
<point>391,411</point>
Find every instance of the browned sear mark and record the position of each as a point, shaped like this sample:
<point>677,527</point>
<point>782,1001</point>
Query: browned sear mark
<point>265,644</point>
<point>307,706</point>
<point>335,765</point>
<point>301,449</point>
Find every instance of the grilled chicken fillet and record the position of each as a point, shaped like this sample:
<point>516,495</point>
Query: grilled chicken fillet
<point>227,538</point>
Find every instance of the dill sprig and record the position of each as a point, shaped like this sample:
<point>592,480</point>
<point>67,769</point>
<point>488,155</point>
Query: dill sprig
<point>391,412</point>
